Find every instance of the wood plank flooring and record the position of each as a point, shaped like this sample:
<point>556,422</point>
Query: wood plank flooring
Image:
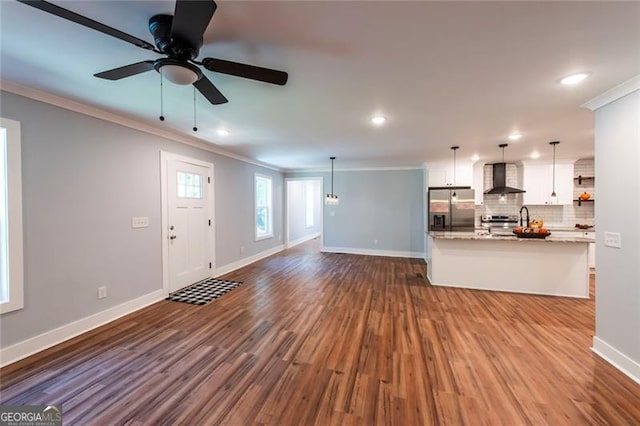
<point>333,339</point>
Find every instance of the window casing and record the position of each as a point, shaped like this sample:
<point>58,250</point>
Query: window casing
<point>263,189</point>
<point>11,262</point>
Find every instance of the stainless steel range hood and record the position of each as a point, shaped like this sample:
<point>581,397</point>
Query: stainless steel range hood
<point>500,181</point>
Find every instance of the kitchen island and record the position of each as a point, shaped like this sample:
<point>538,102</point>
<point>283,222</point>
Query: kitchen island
<point>555,266</point>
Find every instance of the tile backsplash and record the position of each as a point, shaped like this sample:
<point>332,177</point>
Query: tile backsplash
<point>553,215</point>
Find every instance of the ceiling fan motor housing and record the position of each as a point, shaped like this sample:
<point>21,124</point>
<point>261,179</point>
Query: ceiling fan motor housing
<point>160,28</point>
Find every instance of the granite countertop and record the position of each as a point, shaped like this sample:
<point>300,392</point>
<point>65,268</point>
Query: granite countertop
<point>483,236</point>
<point>569,229</point>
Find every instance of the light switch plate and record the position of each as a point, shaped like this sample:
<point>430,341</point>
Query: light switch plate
<point>612,239</point>
<point>139,222</point>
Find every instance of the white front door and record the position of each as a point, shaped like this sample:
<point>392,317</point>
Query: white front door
<point>188,222</point>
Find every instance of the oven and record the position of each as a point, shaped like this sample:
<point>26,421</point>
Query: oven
<point>499,224</point>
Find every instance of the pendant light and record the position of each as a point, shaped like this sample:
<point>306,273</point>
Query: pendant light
<point>503,196</point>
<point>454,196</point>
<point>554,197</point>
<point>332,198</point>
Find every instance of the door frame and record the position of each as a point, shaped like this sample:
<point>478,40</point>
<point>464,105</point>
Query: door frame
<point>286,206</point>
<point>164,200</point>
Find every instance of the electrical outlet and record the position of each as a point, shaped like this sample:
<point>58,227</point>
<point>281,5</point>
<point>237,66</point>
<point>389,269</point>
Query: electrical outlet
<point>102,292</point>
<point>139,222</point>
<point>613,239</point>
<point>332,213</point>
<point>375,242</point>
<point>279,237</point>
<point>241,249</point>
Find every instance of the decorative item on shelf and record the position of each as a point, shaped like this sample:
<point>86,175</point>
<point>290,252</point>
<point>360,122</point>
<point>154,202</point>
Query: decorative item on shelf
<point>554,197</point>
<point>584,196</point>
<point>454,196</point>
<point>332,198</point>
<point>583,226</point>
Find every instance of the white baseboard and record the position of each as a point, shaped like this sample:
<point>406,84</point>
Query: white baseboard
<point>302,240</point>
<point>23,349</point>
<point>502,290</point>
<point>371,252</point>
<point>246,261</point>
<point>616,358</point>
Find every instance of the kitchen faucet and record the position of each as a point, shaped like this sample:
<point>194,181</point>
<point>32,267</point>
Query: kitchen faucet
<point>524,208</point>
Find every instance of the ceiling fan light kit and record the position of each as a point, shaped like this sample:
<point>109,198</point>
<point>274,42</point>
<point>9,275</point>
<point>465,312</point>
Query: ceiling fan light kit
<point>178,73</point>
<point>179,38</point>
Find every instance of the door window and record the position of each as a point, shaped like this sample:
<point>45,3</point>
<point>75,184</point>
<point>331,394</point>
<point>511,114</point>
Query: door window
<point>189,185</point>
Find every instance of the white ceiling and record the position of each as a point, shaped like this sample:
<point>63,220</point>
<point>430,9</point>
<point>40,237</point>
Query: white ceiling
<point>444,73</point>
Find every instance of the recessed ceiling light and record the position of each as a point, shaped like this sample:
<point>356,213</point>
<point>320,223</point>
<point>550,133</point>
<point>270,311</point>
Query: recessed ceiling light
<point>574,78</point>
<point>514,136</point>
<point>534,155</point>
<point>475,157</point>
<point>378,120</point>
<point>223,132</point>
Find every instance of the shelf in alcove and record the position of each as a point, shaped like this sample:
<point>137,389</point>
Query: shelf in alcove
<point>590,200</point>
<point>581,178</point>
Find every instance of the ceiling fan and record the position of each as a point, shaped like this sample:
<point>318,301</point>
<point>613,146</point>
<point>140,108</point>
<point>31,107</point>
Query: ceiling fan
<point>179,38</point>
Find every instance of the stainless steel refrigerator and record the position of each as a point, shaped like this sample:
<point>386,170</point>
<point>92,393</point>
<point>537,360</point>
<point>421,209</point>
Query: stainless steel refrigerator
<point>447,213</point>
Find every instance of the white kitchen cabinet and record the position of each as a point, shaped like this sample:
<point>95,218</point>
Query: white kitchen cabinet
<point>444,176</point>
<point>438,177</point>
<point>478,183</point>
<point>538,182</point>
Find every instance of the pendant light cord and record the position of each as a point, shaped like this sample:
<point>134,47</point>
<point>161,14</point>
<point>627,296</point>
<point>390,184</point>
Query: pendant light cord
<point>554,143</point>
<point>332,177</point>
<point>454,148</point>
<point>554,169</point>
<point>195,128</point>
<point>161,99</point>
<point>454,168</point>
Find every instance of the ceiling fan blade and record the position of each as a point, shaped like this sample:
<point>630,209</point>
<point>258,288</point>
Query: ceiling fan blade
<point>126,71</point>
<point>209,91</point>
<point>90,23</point>
<point>247,71</point>
<point>190,20</point>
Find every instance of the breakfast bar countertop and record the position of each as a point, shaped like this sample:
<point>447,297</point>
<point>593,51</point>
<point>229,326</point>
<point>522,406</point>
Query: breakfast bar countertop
<point>485,236</point>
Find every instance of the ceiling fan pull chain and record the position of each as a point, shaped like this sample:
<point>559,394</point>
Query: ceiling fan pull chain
<point>161,103</point>
<point>195,128</point>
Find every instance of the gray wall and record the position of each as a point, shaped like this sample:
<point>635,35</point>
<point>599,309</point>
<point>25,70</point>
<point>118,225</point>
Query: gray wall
<point>383,205</point>
<point>617,154</point>
<point>296,195</point>
<point>83,179</point>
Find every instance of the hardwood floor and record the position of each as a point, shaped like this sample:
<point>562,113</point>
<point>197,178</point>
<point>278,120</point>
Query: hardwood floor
<point>324,339</point>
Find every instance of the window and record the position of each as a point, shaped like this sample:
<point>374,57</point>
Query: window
<point>310,194</point>
<point>189,185</point>
<point>11,273</point>
<point>264,202</point>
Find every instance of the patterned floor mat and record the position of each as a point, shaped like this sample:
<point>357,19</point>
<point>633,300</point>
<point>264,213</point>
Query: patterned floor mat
<point>204,291</point>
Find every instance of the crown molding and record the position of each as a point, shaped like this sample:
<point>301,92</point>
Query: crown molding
<point>613,94</point>
<point>92,111</point>
<point>353,169</point>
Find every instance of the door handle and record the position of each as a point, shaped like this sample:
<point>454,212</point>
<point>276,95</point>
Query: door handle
<point>173,237</point>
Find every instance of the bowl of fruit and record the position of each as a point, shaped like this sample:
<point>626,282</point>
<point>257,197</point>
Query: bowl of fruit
<point>535,229</point>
